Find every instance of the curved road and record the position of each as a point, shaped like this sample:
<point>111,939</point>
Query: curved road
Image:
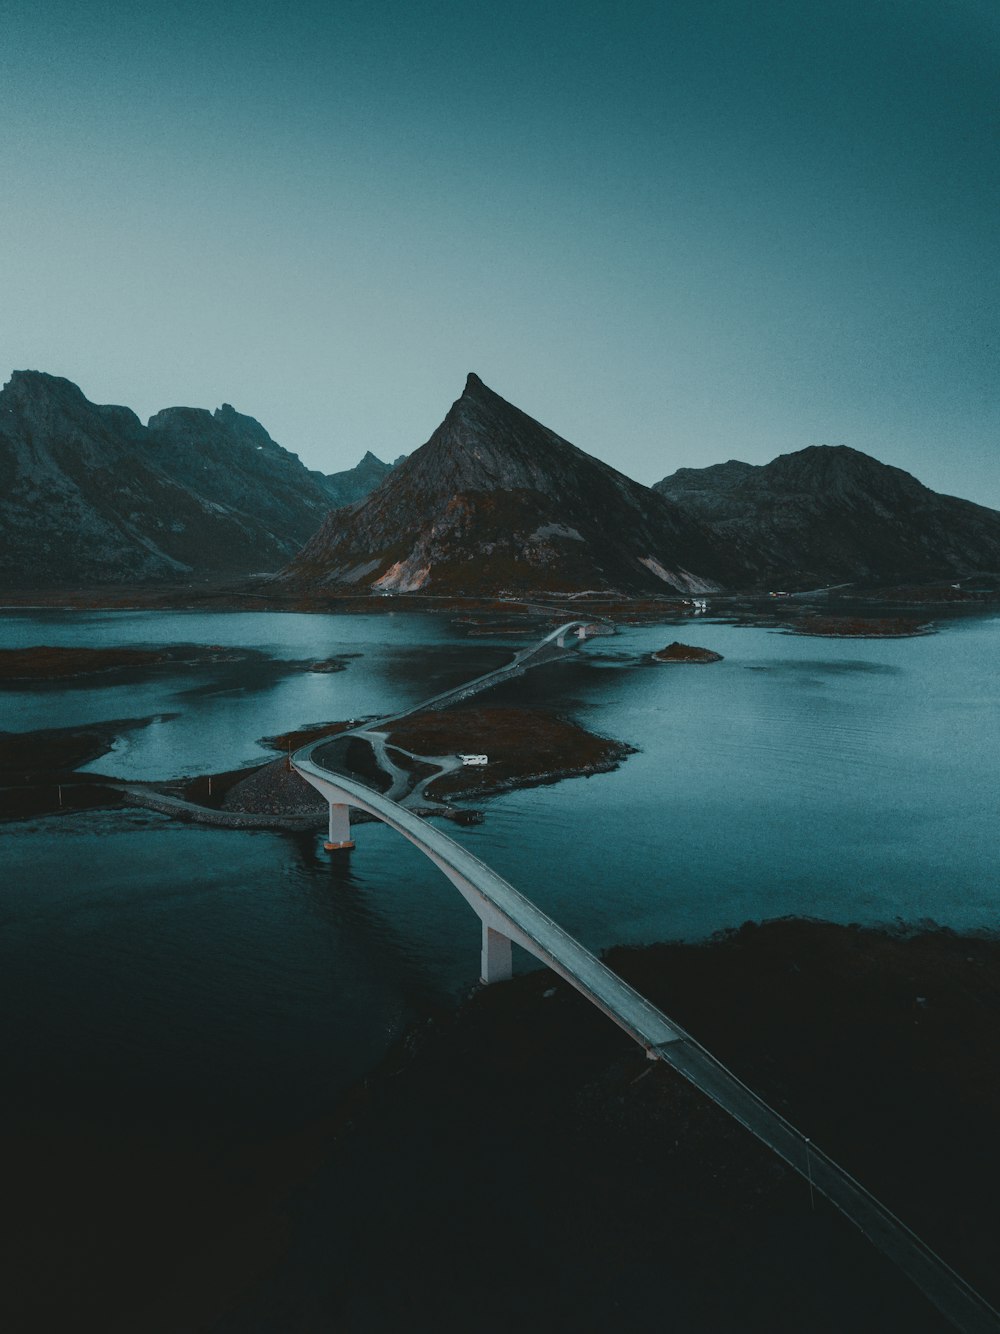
<point>508,916</point>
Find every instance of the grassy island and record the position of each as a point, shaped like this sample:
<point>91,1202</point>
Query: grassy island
<point>677,652</point>
<point>525,747</point>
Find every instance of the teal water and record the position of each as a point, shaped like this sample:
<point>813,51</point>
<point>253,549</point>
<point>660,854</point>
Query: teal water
<point>151,965</point>
<point>852,780</point>
<point>210,718</point>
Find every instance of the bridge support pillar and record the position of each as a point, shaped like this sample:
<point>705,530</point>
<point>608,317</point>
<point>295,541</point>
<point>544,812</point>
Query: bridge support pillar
<point>340,828</point>
<point>496,964</point>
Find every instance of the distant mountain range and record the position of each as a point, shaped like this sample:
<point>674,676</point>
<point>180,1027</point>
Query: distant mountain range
<point>828,514</point>
<point>90,495</point>
<point>493,502</point>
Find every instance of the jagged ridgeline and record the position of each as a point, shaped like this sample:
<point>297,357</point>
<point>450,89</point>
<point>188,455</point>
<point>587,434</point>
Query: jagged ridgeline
<point>89,495</point>
<point>495,501</point>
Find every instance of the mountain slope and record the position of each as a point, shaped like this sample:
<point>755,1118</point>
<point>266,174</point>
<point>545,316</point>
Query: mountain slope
<point>355,483</point>
<point>230,459</point>
<point>494,501</point>
<point>827,514</point>
<point>90,495</point>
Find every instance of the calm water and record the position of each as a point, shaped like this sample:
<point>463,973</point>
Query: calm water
<point>146,964</point>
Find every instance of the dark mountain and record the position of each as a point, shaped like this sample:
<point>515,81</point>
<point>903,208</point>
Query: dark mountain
<point>231,460</point>
<point>89,495</point>
<point>357,482</point>
<point>495,501</point>
<point>830,514</point>
<point>230,457</point>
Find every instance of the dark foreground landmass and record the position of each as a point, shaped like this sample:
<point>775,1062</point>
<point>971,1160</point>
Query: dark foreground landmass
<point>519,1164</point>
<point>524,1161</point>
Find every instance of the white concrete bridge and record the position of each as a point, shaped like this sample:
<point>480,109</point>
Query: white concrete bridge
<point>508,918</point>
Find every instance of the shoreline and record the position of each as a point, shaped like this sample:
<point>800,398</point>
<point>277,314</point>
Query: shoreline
<point>859,627</point>
<point>29,788</point>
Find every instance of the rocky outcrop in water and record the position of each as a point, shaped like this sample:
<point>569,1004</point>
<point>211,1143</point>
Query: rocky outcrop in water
<point>678,652</point>
<point>829,514</point>
<point>495,501</point>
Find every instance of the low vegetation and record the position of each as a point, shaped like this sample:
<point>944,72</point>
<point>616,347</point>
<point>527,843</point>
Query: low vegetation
<point>524,746</point>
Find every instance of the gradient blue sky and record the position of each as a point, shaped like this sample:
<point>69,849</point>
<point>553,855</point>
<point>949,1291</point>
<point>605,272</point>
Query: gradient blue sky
<point>675,232</point>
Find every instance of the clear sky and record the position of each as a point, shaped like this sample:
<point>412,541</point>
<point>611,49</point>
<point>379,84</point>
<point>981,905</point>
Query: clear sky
<point>675,232</point>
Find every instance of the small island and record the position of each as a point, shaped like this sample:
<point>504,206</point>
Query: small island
<point>677,652</point>
<point>525,747</point>
<point>39,771</point>
<point>419,764</point>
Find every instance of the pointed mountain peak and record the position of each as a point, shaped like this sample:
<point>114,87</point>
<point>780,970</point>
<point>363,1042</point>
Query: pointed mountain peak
<point>486,443</point>
<point>495,500</point>
<point>478,394</point>
<point>241,422</point>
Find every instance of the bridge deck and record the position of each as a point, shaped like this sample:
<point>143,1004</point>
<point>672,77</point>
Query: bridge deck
<point>527,923</point>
